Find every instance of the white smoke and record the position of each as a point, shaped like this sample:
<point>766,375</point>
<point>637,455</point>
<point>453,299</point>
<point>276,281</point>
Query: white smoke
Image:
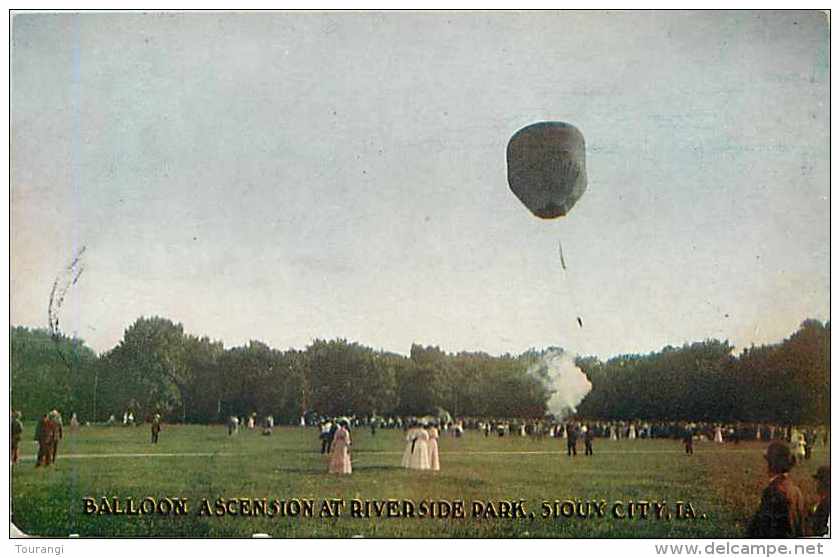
<point>566,382</point>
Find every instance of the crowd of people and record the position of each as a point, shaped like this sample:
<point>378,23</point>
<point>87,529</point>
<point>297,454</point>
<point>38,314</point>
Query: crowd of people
<point>782,512</point>
<point>803,440</point>
<point>640,429</point>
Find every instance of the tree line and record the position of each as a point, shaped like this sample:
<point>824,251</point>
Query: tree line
<point>158,368</point>
<point>785,383</point>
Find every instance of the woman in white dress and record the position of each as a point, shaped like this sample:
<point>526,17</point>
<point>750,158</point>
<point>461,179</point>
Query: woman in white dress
<point>434,457</point>
<point>799,447</point>
<point>631,434</point>
<point>410,437</point>
<point>718,435</point>
<point>419,458</point>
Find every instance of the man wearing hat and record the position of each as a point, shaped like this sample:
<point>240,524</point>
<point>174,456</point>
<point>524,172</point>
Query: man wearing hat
<point>782,510</point>
<point>818,519</point>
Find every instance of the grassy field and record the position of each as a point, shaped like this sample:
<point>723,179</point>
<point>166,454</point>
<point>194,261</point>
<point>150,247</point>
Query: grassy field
<point>722,483</point>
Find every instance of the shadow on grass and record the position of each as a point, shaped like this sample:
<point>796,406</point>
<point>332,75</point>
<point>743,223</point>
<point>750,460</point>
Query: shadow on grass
<point>376,467</point>
<point>356,468</point>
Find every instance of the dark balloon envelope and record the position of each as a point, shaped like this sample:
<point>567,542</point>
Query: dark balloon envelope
<point>547,167</point>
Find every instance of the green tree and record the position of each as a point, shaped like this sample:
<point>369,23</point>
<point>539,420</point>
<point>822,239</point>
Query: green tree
<point>148,369</point>
<point>49,372</point>
<point>348,378</point>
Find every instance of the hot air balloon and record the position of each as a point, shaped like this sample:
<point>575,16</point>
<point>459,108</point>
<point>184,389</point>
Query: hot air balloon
<point>547,167</point>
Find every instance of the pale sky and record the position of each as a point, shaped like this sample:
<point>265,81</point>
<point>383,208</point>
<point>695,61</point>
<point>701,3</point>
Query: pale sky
<point>284,177</point>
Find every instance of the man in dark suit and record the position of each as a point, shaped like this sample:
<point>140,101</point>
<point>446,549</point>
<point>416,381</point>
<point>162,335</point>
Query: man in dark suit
<point>688,440</point>
<point>587,441</point>
<point>325,435</point>
<point>571,439</point>
<point>156,427</point>
<point>328,433</point>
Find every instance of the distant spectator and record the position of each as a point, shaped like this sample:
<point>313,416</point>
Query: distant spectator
<point>16,428</point>
<point>156,428</point>
<point>57,434</point>
<point>810,438</point>
<point>587,440</point>
<point>571,440</point>
<point>233,425</point>
<point>688,440</point>
<point>44,432</point>
<point>326,435</point>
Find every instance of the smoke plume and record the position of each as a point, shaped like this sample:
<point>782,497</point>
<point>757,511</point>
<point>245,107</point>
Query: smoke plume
<point>566,382</point>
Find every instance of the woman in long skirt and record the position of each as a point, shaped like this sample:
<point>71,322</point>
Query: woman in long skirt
<point>410,440</point>
<point>434,457</point>
<point>419,458</point>
<point>340,454</point>
<point>799,447</point>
